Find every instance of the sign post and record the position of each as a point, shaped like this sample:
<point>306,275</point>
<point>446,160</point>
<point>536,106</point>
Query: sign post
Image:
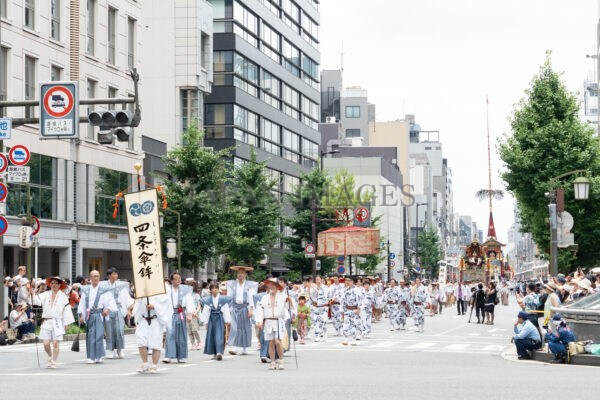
<point>59,110</point>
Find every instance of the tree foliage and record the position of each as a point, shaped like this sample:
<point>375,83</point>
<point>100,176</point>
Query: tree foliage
<point>251,193</point>
<point>312,188</point>
<point>197,192</point>
<point>429,250</point>
<point>547,140</point>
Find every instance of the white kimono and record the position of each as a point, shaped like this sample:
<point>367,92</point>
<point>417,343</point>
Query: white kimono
<point>150,335</point>
<point>273,316</point>
<point>55,316</point>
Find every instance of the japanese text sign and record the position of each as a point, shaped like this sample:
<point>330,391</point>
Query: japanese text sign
<point>144,240</point>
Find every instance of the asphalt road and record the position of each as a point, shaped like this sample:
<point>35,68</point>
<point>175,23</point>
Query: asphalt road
<point>451,359</point>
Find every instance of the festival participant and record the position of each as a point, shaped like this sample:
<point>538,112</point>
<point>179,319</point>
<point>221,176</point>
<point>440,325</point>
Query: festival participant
<point>182,305</point>
<point>271,316</point>
<point>303,318</point>
<point>367,304</point>
<point>378,296</point>
<point>335,292</point>
<point>263,346</point>
<point>215,315</point>
<point>350,303</point>
<point>320,301</point>
<point>115,325</point>
<point>153,316</point>
<point>390,298</point>
<point>291,315</point>
<point>56,317</point>
<point>95,303</point>
<point>420,298</point>
<point>404,304</point>
<point>242,292</point>
<point>461,295</point>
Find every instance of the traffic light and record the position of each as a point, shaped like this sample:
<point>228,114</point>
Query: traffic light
<point>113,122</point>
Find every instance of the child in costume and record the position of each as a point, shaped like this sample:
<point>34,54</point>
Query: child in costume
<point>302,323</point>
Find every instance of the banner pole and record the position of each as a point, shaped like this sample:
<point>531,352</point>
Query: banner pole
<point>137,167</point>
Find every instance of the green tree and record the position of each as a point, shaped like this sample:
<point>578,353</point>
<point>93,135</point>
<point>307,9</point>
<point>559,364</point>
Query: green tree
<point>197,192</point>
<point>258,212</point>
<point>313,187</point>
<point>547,140</point>
<point>429,251</point>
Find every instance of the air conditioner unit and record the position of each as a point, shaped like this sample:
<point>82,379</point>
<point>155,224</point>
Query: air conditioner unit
<point>330,120</point>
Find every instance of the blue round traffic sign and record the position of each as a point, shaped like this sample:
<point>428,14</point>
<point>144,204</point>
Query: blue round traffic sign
<point>341,270</point>
<point>3,225</point>
<point>392,256</point>
<point>341,258</point>
<point>418,269</point>
<point>3,163</point>
<point>3,191</point>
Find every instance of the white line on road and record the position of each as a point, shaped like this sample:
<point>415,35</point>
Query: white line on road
<point>450,330</point>
<point>456,346</point>
<point>422,345</point>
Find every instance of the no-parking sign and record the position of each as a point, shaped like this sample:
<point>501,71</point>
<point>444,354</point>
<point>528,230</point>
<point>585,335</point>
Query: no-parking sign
<point>341,270</point>
<point>59,110</point>
<point>3,163</point>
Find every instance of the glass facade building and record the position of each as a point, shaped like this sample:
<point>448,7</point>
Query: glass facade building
<point>266,85</point>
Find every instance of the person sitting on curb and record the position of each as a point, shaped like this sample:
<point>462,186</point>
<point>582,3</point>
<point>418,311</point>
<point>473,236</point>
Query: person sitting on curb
<point>559,340</point>
<point>527,338</point>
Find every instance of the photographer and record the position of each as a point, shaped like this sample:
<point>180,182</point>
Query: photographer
<point>23,324</point>
<point>527,338</point>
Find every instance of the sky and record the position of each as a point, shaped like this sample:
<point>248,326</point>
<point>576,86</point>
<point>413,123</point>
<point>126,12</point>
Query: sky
<point>439,59</point>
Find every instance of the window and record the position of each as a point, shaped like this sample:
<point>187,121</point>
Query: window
<point>247,24</point>
<point>271,43</point>
<point>271,133</point>
<point>292,57</point>
<point>219,114</point>
<point>130,43</point>
<point>271,89</point>
<point>42,188</point>
<point>246,69</point>
<point>352,111</point>
<point>291,9</point>
<point>112,94</point>
<point>3,72</point>
<point>30,83</point>
<point>55,73</point>
<point>310,67</point>
<point>245,119</point>
<point>190,107</point>
<point>108,183</point>
<point>112,34</point>
<point>222,9</point>
<point>55,19</point>
<point>223,61</point>
<point>30,14</point>
<point>91,26</point>
<point>91,93</point>
<point>352,132</point>
<point>3,8</point>
<point>205,48</point>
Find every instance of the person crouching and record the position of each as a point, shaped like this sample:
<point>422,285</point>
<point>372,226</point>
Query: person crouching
<point>559,340</point>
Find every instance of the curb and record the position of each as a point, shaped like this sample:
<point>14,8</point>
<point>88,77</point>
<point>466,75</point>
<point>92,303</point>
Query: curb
<point>542,357</point>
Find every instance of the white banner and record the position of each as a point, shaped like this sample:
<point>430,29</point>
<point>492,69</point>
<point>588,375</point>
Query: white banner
<point>144,241</point>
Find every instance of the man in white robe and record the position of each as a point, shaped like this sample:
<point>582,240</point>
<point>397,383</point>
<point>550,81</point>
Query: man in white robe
<point>153,316</point>
<point>115,325</point>
<point>56,317</point>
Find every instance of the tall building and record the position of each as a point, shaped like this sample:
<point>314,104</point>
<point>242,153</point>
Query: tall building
<point>73,183</point>
<point>176,67</point>
<point>266,87</point>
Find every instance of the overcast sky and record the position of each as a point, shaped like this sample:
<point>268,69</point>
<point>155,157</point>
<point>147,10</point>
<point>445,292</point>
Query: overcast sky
<point>438,59</point>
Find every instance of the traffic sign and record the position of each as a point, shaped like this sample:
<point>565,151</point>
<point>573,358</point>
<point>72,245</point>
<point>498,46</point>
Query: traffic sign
<point>362,216</point>
<point>5,128</point>
<point>19,155</point>
<point>59,110</point>
<point>36,226</point>
<point>18,174</point>
<point>392,264</point>
<point>3,225</point>
<point>392,256</point>
<point>341,270</point>
<point>341,258</point>
<point>3,192</point>
<point>309,248</point>
<point>418,269</point>
<point>3,163</point>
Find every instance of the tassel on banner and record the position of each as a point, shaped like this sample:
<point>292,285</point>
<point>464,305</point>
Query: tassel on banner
<point>116,205</point>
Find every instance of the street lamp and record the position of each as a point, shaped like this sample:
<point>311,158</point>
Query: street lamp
<point>581,186</point>
<point>161,218</point>
<point>324,153</point>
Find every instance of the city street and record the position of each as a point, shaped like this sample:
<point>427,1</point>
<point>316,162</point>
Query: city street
<point>452,359</point>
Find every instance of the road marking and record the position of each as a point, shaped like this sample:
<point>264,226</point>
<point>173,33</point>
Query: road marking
<point>422,345</point>
<point>450,330</point>
<point>186,365</point>
<point>494,347</point>
<point>456,346</point>
<point>384,344</point>
<point>474,334</point>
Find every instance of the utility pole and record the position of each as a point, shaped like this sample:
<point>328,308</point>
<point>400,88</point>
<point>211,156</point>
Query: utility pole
<point>4,293</point>
<point>389,267</point>
<point>314,236</point>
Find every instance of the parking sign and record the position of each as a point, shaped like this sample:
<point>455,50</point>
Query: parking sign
<point>5,128</point>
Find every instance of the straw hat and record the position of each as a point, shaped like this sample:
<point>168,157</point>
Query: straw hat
<point>241,268</point>
<point>61,282</point>
<point>585,284</point>
<point>273,281</point>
